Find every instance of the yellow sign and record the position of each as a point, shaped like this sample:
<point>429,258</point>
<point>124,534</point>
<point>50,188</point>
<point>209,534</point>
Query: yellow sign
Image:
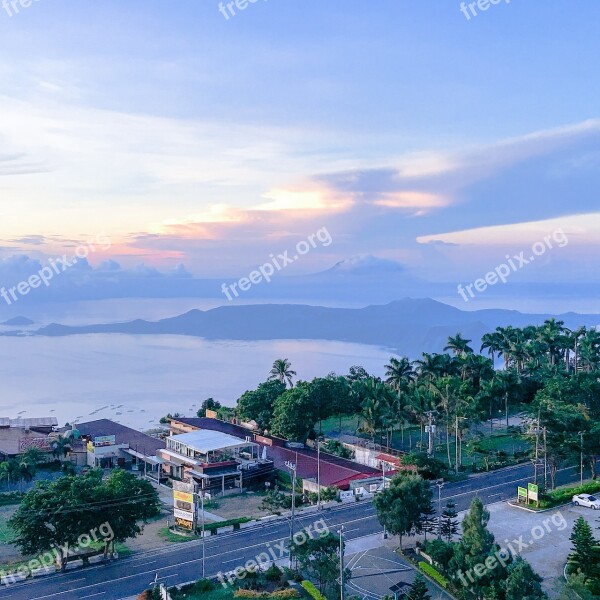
<point>184,497</point>
<point>184,524</point>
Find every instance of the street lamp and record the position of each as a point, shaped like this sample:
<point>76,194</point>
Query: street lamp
<point>200,493</point>
<point>319,439</point>
<point>292,467</point>
<point>341,532</point>
<point>580,434</point>
<point>458,451</point>
<point>440,485</point>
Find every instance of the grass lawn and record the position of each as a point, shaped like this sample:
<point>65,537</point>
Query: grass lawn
<point>331,427</point>
<point>166,534</point>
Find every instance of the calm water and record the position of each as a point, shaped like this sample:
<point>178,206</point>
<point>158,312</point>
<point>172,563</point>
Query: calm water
<point>137,379</point>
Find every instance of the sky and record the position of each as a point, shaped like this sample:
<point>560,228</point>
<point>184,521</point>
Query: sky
<point>201,142</point>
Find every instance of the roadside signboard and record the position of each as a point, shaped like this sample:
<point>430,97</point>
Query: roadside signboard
<point>184,524</point>
<point>532,491</point>
<point>182,486</point>
<point>522,494</point>
<point>105,440</point>
<point>183,514</point>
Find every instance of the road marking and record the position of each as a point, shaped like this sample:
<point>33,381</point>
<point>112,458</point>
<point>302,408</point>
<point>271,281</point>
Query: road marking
<point>92,595</point>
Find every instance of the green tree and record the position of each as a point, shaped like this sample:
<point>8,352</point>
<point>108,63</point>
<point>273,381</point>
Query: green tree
<point>55,514</point>
<point>295,413</point>
<point>319,559</point>
<point>476,545</point>
<point>208,404</point>
<point>282,371</point>
<point>522,583</point>
<point>258,405</point>
<point>401,507</point>
<point>584,543</point>
<point>449,525</point>
<point>418,591</point>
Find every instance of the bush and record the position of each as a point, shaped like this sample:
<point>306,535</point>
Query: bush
<point>434,574</point>
<point>428,467</point>
<point>273,573</point>
<point>312,591</point>
<point>440,551</point>
<point>563,495</point>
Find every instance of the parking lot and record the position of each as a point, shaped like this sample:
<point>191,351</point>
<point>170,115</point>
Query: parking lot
<point>541,538</point>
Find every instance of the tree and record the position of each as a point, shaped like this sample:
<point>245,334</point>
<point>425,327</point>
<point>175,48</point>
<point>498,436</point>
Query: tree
<point>418,591</point>
<point>55,514</point>
<point>295,413</point>
<point>282,371</point>
<point>522,583</point>
<point>319,559</point>
<point>208,404</point>
<point>449,527</point>
<point>458,345</point>
<point>258,405</point>
<point>476,545</point>
<point>401,506</point>
<point>583,542</point>
<point>399,373</point>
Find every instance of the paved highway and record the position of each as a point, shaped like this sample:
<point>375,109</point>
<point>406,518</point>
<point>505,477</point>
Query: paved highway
<point>181,563</point>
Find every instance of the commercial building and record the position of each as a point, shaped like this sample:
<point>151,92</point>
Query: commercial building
<point>18,435</point>
<point>217,462</point>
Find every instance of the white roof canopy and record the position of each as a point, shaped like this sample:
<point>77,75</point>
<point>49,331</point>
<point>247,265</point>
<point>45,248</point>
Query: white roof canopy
<point>206,440</point>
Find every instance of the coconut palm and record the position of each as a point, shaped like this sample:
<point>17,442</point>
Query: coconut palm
<point>492,342</point>
<point>458,345</point>
<point>282,371</point>
<point>399,373</point>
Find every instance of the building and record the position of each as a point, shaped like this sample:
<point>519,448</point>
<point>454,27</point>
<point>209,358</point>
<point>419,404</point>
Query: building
<point>18,435</point>
<point>217,462</point>
<point>309,465</point>
<point>108,445</point>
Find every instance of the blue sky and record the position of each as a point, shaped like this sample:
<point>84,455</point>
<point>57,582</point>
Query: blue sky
<point>410,132</point>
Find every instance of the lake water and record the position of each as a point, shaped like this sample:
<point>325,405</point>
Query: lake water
<point>136,379</point>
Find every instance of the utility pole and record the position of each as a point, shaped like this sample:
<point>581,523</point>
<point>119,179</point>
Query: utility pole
<point>319,472</point>
<point>203,533</point>
<point>342,563</point>
<point>440,485</point>
<point>581,457</point>
<point>545,460</point>
<point>383,490</point>
<point>430,430</point>
<point>458,446</point>
<point>292,467</point>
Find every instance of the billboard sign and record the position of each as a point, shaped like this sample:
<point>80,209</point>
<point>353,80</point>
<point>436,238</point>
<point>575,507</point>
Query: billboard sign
<point>532,491</point>
<point>105,440</point>
<point>183,514</point>
<point>184,501</point>
<point>184,524</point>
<point>522,493</point>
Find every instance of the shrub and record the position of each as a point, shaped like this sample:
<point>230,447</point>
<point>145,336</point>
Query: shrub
<point>434,574</point>
<point>312,591</point>
<point>273,573</point>
<point>562,495</point>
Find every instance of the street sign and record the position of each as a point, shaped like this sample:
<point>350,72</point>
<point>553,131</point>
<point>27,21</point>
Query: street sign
<point>522,493</point>
<point>532,491</point>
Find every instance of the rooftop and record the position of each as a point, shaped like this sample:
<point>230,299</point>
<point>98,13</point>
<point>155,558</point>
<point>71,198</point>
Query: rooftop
<point>43,422</point>
<point>123,435</point>
<point>205,440</point>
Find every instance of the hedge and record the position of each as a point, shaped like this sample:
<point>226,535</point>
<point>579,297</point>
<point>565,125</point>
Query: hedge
<point>230,522</point>
<point>435,575</point>
<point>313,591</point>
<point>279,594</point>
<point>562,495</point>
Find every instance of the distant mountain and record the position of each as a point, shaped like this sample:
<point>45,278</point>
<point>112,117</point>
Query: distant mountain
<point>18,322</point>
<point>408,326</point>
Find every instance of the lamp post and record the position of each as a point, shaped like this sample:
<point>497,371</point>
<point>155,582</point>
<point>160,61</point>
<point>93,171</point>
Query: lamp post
<point>342,563</point>
<point>580,434</point>
<point>440,485</point>
<point>318,472</point>
<point>458,449</point>
<point>292,467</point>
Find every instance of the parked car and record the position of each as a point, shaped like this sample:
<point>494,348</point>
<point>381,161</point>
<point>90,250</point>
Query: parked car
<point>586,500</point>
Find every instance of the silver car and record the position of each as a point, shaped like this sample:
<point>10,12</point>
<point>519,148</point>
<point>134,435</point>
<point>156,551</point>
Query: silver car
<point>586,500</point>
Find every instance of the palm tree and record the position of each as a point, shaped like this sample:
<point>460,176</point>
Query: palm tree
<point>61,447</point>
<point>399,373</point>
<point>492,342</point>
<point>589,351</point>
<point>9,471</point>
<point>458,345</point>
<point>282,371</point>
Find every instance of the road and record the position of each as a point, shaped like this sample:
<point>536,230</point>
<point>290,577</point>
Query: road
<point>180,563</point>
